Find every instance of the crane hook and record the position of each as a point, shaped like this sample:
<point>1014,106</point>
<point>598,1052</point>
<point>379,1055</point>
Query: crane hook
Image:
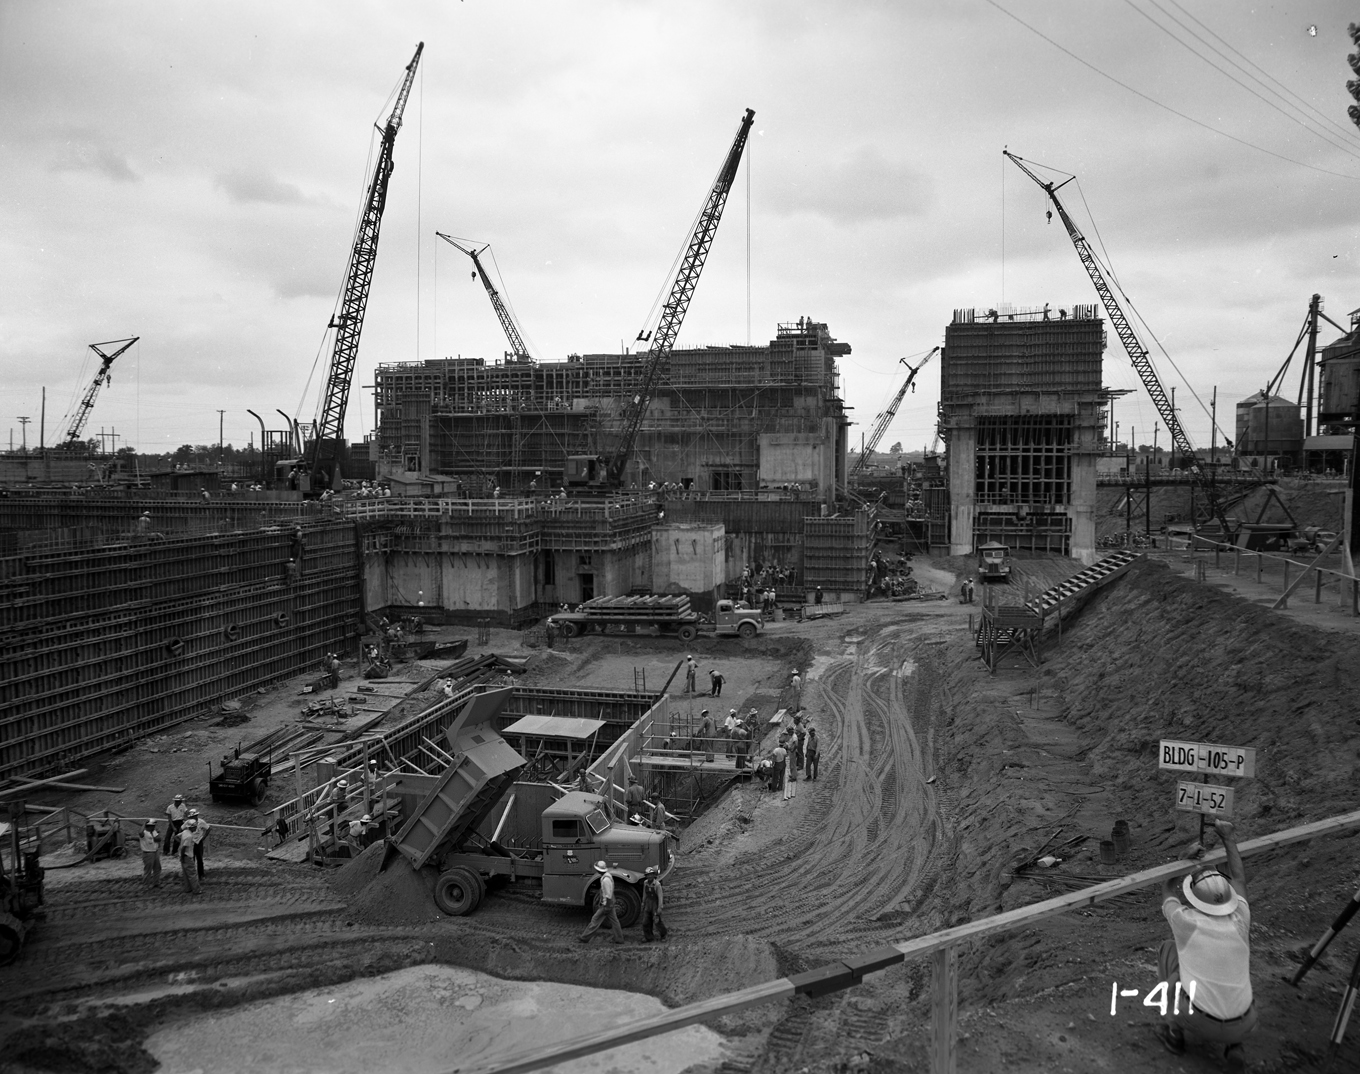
<point>1049,213</point>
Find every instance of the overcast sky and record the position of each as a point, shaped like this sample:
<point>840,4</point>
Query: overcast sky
<point>191,174</point>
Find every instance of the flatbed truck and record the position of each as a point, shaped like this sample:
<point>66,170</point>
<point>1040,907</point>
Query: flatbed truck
<point>440,831</point>
<point>665,615</point>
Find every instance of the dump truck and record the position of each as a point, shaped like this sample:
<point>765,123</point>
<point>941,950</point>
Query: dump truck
<point>994,562</point>
<point>666,615</point>
<point>443,815</point>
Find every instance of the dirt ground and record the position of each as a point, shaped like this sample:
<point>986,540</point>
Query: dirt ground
<point>938,782</point>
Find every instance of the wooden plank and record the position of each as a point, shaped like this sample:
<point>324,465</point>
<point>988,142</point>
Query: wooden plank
<point>29,785</point>
<point>944,1012</point>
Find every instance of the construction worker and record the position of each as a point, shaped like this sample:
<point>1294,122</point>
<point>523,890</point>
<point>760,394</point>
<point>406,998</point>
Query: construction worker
<point>333,669</point>
<point>797,690</point>
<point>812,752</point>
<point>791,773</point>
<point>653,902</point>
<point>1210,949</point>
<point>187,865</point>
<point>200,837</point>
<point>780,758</point>
<point>740,745</point>
<point>716,679</point>
<point>817,596</point>
<point>279,827</point>
<point>605,907</point>
<point>691,669</point>
<point>149,840</point>
<point>176,813</point>
<point>658,814</point>
<point>358,831</point>
<point>634,796</point>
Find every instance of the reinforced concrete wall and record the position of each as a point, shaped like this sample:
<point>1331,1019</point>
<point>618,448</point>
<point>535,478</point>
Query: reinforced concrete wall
<point>106,640</point>
<point>689,557</point>
<point>1023,415</point>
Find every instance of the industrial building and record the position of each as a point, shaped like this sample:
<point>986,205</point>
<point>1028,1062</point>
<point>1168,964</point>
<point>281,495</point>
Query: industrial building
<point>722,419</point>
<point>1023,414</point>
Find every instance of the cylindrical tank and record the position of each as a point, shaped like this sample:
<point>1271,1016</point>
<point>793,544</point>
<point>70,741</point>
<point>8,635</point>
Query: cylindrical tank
<point>1340,395</point>
<point>1274,428</point>
<point>1244,416</point>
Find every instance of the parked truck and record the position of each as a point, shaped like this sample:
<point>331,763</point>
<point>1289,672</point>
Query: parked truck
<point>994,562</point>
<point>441,829</point>
<point>657,614</point>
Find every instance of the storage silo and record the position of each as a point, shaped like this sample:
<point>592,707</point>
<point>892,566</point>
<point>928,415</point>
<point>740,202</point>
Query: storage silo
<point>1274,429</point>
<point>1340,361</point>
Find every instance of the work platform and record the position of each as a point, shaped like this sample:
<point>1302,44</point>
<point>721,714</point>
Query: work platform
<point>1015,630</point>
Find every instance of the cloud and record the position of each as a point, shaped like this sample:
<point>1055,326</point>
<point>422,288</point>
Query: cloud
<point>860,188</point>
<point>78,155</point>
<point>246,187</point>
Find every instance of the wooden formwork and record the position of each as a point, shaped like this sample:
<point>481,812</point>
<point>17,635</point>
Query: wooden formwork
<point>110,642</point>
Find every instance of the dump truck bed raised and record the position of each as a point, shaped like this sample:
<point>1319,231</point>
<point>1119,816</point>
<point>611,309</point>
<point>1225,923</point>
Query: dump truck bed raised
<point>485,767</point>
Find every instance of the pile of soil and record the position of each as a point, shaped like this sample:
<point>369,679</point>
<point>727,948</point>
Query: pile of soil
<point>397,895</point>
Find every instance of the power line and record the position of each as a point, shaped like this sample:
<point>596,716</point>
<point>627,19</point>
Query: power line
<point>1237,81</point>
<point>1303,101</point>
<point>1166,107</point>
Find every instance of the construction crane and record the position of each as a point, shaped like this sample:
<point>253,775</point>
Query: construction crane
<point>884,419</point>
<point>1138,354</point>
<point>607,472</point>
<point>518,352</point>
<point>101,378</point>
<point>348,323</point>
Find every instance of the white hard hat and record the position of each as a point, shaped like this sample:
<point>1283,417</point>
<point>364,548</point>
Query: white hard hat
<point>1210,892</point>
<point>601,867</point>
<point>341,783</point>
<point>366,818</point>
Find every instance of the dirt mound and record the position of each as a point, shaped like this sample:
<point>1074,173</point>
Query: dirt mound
<point>353,877</point>
<point>396,896</point>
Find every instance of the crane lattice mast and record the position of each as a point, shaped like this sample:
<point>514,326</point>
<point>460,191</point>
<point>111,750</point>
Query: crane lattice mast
<point>349,321</point>
<point>1138,354</point>
<point>101,378</point>
<point>682,291</point>
<point>884,419</point>
<point>518,351</point>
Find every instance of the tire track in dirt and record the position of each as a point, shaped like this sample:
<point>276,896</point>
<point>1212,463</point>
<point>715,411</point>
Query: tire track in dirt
<point>870,830</point>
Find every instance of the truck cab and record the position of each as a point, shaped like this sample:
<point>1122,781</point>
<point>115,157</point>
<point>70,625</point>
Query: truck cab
<point>737,617</point>
<point>584,471</point>
<point>994,561</point>
<point>577,832</point>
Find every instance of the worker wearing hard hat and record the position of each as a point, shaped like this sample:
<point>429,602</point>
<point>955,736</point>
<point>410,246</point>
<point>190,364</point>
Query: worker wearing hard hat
<point>149,841</point>
<point>187,865</point>
<point>606,908</point>
<point>201,830</point>
<point>175,813</point>
<point>1209,957</point>
<point>358,831</point>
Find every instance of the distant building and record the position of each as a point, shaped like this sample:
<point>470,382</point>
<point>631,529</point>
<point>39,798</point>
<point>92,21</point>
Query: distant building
<point>723,419</point>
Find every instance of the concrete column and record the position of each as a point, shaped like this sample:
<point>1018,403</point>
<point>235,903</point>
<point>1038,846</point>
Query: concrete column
<point>962,489</point>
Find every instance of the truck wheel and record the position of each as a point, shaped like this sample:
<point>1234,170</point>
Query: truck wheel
<point>570,629</point>
<point>257,792</point>
<point>458,892</point>
<point>747,629</point>
<point>688,632</point>
<point>630,904</point>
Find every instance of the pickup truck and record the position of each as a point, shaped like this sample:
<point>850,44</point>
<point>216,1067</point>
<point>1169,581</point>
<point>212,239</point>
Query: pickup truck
<point>444,812</point>
<point>657,614</point>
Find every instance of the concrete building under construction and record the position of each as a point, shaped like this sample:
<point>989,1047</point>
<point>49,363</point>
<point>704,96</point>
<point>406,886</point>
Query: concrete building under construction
<point>723,419</point>
<point>1023,413</point>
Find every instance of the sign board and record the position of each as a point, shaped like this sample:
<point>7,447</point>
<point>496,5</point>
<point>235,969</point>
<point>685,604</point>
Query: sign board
<point>1204,798</point>
<point>1239,761</point>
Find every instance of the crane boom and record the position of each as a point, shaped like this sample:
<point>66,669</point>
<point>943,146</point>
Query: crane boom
<point>101,378</point>
<point>349,322</point>
<point>884,419</point>
<point>518,351</point>
<point>677,304</point>
<point>1138,354</point>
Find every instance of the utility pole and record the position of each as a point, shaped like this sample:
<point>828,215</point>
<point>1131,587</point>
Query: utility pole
<point>1213,426</point>
<point>42,421</point>
<point>24,420</point>
<point>1155,426</point>
<point>219,440</point>
<point>1314,308</point>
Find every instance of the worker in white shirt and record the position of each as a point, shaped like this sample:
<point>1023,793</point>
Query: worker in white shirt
<point>1210,953</point>
<point>201,830</point>
<point>149,840</point>
<point>358,832</point>
<point>606,909</point>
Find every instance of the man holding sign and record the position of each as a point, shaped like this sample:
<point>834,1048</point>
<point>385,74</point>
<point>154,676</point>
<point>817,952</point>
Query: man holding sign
<point>1206,965</point>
